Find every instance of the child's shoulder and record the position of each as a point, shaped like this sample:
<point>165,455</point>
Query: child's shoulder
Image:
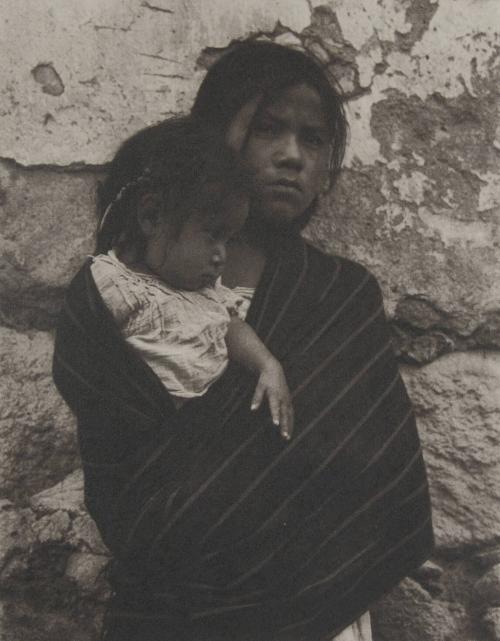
<point>107,266</point>
<point>123,291</point>
<point>109,271</point>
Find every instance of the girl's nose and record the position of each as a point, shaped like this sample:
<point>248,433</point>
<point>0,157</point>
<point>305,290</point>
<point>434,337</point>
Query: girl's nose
<point>289,152</point>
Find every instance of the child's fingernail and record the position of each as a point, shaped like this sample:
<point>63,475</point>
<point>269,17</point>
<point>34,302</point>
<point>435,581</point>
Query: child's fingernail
<point>286,436</point>
<point>276,421</point>
<point>253,406</point>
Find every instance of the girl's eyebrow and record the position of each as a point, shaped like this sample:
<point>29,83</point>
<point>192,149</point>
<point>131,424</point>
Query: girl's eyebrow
<point>314,127</point>
<point>265,113</point>
<point>321,130</point>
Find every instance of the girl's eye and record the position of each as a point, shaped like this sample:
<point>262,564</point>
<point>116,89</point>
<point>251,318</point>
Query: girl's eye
<point>266,127</point>
<point>313,139</point>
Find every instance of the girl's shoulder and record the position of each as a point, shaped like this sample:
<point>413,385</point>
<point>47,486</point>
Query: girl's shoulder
<point>345,269</point>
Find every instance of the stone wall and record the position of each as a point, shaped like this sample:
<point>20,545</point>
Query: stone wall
<point>418,203</point>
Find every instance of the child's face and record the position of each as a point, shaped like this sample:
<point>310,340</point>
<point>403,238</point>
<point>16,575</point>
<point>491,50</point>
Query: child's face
<point>194,257</point>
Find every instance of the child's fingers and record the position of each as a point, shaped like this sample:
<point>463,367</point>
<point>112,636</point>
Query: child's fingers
<point>274,406</point>
<point>287,419</point>
<point>258,395</point>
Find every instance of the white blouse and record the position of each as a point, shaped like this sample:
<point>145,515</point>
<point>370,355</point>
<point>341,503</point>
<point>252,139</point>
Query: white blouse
<point>179,333</point>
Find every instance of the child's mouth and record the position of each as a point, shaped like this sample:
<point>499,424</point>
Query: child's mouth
<point>208,280</point>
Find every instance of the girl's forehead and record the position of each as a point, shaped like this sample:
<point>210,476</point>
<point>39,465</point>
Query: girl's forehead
<point>298,100</point>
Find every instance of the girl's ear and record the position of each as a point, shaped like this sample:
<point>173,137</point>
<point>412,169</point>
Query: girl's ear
<point>149,213</point>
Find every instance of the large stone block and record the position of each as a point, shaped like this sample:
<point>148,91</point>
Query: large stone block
<point>47,223</point>
<point>37,430</point>
<point>457,400</point>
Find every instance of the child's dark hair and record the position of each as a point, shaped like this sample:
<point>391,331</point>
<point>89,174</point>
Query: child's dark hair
<point>181,161</point>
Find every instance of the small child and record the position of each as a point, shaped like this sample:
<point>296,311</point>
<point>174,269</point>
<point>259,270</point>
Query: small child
<point>176,197</point>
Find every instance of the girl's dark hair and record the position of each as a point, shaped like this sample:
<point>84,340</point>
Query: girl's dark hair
<point>182,161</point>
<point>253,67</point>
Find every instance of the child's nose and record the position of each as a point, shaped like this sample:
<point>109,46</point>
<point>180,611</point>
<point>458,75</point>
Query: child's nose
<point>219,256</point>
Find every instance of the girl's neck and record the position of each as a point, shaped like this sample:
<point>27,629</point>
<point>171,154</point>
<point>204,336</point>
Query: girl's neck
<point>244,265</point>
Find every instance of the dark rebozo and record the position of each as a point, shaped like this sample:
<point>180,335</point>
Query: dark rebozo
<point>218,527</point>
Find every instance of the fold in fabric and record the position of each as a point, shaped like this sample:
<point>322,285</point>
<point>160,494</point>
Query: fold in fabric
<point>220,529</point>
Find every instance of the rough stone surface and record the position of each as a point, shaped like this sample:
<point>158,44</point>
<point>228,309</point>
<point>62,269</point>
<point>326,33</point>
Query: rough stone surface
<point>488,558</point>
<point>437,603</point>
<point>410,613</point>
<point>492,623</point>
<point>85,570</point>
<point>429,576</point>
<point>488,587</point>
<point>52,580</point>
<point>457,400</point>
<point>418,203</point>
<point>37,434</point>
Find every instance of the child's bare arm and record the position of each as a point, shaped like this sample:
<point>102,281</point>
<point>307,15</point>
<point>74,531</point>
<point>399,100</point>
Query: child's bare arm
<point>246,348</point>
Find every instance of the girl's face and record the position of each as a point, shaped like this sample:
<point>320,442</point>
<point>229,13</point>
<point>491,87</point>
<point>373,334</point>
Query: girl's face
<point>288,152</point>
<point>194,257</point>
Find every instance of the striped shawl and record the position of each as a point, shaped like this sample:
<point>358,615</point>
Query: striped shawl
<point>221,530</point>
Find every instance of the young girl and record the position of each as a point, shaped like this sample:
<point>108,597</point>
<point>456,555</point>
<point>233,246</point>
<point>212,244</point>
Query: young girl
<point>180,198</point>
<point>219,530</point>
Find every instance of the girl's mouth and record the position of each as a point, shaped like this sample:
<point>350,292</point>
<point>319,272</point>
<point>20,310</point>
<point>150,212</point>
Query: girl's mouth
<point>285,191</point>
<point>286,184</point>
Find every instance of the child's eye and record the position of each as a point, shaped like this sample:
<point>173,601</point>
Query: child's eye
<point>234,238</point>
<point>214,233</point>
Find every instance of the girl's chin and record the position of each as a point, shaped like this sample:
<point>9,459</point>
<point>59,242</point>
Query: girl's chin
<point>277,213</point>
<point>280,218</point>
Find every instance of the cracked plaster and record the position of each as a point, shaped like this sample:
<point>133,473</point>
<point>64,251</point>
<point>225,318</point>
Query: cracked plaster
<point>122,63</point>
<point>459,32</point>
<point>419,201</point>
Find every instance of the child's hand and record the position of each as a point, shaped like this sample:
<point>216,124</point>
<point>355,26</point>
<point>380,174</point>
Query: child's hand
<point>272,383</point>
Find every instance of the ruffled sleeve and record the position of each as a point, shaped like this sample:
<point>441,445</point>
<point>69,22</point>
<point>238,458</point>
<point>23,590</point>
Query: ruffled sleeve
<point>237,300</point>
<point>124,297</point>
